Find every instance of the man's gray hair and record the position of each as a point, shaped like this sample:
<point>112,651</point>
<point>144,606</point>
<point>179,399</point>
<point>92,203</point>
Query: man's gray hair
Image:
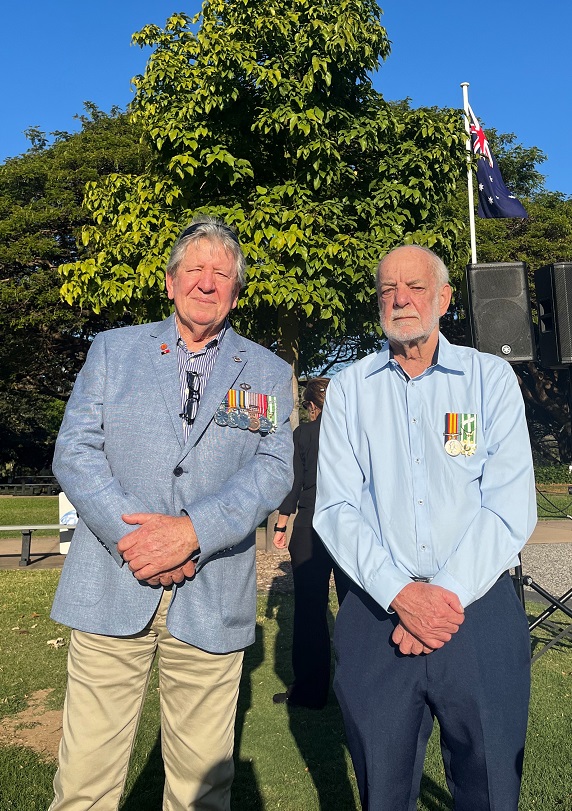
<point>216,232</point>
<point>438,267</point>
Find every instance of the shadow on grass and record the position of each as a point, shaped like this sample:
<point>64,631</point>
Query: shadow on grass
<point>319,734</point>
<point>552,629</point>
<point>245,792</point>
<point>147,791</point>
<point>433,797</point>
<point>319,737</point>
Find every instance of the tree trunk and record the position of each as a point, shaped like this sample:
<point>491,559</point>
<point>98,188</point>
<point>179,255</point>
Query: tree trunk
<point>288,350</point>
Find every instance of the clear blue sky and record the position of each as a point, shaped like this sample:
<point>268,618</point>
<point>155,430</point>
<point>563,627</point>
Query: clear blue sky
<point>514,54</point>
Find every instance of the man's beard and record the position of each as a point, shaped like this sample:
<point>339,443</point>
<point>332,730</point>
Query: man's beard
<point>410,332</point>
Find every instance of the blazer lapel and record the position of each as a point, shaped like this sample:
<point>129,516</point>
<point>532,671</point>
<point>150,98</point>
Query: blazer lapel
<point>231,361</point>
<point>164,361</point>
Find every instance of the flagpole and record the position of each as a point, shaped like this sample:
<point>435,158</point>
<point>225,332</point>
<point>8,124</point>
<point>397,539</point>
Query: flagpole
<point>465,86</point>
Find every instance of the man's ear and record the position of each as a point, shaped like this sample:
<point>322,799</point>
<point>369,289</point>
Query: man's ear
<point>444,299</point>
<point>169,285</point>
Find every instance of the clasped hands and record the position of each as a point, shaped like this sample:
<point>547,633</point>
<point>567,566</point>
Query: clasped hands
<point>158,551</point>
<point>428,617</point>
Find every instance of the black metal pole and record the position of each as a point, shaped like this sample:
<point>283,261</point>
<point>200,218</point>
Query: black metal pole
<point>549,611</point>
<point>26,544</point>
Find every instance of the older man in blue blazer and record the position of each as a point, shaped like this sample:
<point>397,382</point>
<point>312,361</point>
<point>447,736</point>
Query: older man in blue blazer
<point>175,445</point>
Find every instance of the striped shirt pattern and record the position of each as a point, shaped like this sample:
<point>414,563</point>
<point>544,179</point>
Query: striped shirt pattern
<point>202,363</point>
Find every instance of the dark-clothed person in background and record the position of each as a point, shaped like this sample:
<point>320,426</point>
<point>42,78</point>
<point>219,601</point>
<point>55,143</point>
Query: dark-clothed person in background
<point>425,496</point>
<point>175,445</point>
<point>312,565</point>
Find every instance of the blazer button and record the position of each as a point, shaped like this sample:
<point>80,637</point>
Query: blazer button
<point>178,471</point>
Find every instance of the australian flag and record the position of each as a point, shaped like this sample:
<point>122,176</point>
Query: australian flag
<point>495,200</point>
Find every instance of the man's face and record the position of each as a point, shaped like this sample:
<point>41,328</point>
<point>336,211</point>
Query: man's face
<point>410,299</point>
<point>204,287</point>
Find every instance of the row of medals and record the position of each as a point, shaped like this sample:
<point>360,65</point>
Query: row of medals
<point>454,447</point>
<point>250,420</point>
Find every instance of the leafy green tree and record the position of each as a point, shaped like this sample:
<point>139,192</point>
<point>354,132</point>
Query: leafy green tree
<point>263,112</point>
<point>44,340</point>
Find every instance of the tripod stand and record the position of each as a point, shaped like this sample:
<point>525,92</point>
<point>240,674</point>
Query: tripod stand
<point>521,580</point>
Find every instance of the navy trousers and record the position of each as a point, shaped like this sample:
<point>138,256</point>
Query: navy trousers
<point>477,686</point>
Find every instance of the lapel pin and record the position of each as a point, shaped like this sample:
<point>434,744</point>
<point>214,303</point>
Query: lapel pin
<point>165,349</point>
<point>245,386</point>
<point>236,359</point>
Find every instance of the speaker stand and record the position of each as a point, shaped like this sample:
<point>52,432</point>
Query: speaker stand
<point>521,580</point>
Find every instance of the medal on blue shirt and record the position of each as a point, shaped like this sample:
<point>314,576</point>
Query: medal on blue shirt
<point>452,437</point>
<point>468,431</point>
<point>460,433</point>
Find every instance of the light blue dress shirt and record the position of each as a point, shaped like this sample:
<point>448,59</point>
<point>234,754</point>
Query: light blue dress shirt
<point>392,504</point>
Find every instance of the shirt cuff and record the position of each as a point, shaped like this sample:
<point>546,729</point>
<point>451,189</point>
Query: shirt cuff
<point>445,580</point>
<point>385,585</point>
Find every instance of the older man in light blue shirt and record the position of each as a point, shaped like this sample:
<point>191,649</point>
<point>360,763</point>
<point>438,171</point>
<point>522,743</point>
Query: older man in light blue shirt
<point>425,498</point>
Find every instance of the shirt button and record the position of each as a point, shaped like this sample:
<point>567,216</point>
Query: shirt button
<point>414,420</point>
<point>178,471</point>
<point>418,461</point>
<point>420,501</point>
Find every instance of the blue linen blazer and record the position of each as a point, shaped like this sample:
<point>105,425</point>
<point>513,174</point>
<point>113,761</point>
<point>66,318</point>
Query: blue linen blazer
<point>118,447</point>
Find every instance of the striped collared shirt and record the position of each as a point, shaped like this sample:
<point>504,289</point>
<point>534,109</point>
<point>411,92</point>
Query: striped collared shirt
<point>201,363</point>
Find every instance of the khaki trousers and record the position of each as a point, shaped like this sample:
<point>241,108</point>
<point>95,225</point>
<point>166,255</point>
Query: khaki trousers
<point>107,680</point>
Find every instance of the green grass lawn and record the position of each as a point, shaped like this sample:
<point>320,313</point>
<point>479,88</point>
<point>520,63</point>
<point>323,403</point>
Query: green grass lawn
<point>553,501</point>
<point>285,760</point>
<point>17,510</point>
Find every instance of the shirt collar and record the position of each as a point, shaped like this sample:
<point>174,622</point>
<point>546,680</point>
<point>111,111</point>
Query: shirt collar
<point>214,342</point>
<point>447,358</point>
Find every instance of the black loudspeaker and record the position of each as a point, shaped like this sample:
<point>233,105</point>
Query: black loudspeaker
<point>554,301</point>
<point>499,310</point>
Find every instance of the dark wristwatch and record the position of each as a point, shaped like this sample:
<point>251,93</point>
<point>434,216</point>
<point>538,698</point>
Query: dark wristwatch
<point>279,529</point>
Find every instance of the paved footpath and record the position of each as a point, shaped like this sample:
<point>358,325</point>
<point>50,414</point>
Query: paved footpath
<point>547,557</point>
